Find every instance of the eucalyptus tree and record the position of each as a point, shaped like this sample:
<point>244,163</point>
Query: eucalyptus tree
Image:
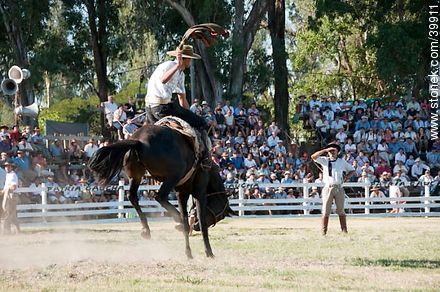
<point>23,27</point>
<point>362,48</point>
<point>277,26</point>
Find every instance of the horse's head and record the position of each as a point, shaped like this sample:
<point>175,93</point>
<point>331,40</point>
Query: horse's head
<point>217,201</point>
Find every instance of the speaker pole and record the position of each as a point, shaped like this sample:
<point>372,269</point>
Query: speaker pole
<point>16,119</point>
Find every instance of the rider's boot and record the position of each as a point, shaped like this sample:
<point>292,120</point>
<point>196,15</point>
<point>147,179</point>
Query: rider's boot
<point>205,159</point>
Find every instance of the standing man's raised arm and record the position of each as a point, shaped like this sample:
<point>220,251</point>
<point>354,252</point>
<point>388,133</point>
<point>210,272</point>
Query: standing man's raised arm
<point>318,153</point>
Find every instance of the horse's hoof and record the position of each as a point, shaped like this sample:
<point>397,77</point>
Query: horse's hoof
<point>146,235</point>
<point>210,255</point>
<point>189,255</point>
<point>179,227</point>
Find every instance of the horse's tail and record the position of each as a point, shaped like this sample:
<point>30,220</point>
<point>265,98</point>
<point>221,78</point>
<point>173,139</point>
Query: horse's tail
<point>108,161</point>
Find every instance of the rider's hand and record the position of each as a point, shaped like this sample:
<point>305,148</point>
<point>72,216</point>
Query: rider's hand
<point>179,59</point>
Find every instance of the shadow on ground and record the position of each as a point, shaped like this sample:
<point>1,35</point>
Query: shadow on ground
<point>427,264</point>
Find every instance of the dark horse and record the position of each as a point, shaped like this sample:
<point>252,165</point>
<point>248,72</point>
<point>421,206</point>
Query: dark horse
<point>168,156</point>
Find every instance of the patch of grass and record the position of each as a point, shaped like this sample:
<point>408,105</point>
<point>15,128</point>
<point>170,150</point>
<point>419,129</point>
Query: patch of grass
<point>408,263</point>
<point>190,279</point>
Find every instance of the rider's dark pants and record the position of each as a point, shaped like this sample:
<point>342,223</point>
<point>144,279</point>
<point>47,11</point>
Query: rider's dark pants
<point>174,109</point>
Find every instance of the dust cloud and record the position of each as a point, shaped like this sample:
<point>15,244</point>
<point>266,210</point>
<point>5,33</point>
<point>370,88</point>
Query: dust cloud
<point>67,245</point>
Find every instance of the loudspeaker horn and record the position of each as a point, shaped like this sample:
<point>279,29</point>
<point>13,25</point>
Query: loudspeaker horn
<point>17,74</point>
<point>9,86</point>
<point>27,111</point>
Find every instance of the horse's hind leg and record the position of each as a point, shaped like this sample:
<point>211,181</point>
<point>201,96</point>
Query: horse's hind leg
<point>133,197</point>
<point>183,201</point>
<point>162,198</point>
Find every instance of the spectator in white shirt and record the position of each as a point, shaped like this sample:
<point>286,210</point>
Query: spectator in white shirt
<point>90,148</point>
<point>418,168</point>
<point>400,156</point>
<point>109,108</point>
<point>273,140</point>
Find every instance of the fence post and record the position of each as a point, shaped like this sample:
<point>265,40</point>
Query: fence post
<point>121,192</point>
<point>427,195</point>
<point>367,197</point>
<point>306,197</point>
<point>240,197</point>
<point>44,200</point>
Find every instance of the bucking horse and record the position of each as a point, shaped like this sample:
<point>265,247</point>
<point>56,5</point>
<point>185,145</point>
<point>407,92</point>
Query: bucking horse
<point>171,158</point>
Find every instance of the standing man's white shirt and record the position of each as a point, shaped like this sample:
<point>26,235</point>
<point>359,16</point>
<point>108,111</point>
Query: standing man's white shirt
<point>11,180</point>
<point>339,166</point>
<point>164,91</point>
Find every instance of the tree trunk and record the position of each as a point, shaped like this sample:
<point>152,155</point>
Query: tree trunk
<point>98,39</point>
<point>205,73</point>
<point>9,10</point>
<point>276,13</point>
<point>243,35</point>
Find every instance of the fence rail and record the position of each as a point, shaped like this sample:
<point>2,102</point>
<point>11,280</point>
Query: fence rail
<point>122,211</point>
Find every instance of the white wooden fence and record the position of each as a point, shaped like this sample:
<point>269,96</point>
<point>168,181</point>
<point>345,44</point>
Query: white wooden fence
<point>121,211</point>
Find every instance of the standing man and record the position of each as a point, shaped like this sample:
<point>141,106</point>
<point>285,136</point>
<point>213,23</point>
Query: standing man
<point>335,171</point>
<point>109,108</point>
<point>9,201</point>
<point>169,78</point>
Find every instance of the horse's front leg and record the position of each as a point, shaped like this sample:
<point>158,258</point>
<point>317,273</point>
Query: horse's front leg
<point>201,212</point>
<point>183,201</point>
<point>133,197</point>
<point>162,198</point>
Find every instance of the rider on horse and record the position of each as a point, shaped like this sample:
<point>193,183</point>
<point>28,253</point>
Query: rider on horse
<point>169,78</point>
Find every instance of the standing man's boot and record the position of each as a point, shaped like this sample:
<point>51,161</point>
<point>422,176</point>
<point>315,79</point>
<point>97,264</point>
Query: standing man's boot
<point>324,224</point>
<point>343,222</point>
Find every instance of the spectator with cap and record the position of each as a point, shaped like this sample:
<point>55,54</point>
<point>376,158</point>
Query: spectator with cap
<point>9,200</point>
<point>24,145</point>
<point>363,123</point>
<point>410,147</point>
<point>195,107</point>
<point>4,157</point>
<point>426,180</point>
<point>418,169</point>
<point>287,178</point>
<point>39,142</point>
<point>74,151</point>
<point>24,168</point>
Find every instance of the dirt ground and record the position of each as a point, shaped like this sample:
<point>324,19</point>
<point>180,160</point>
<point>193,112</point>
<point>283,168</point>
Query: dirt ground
<point>251,254</point>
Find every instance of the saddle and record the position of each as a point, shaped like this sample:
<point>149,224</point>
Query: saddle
<point>185,129</point>
<point>193,136</point>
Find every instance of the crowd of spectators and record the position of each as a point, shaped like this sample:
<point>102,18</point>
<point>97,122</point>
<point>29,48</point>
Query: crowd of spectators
<point>385,141</point>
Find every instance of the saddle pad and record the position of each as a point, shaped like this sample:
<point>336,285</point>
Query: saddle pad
<point>184,128</point>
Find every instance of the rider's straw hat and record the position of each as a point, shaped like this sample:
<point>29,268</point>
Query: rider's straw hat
<point>187,52</point>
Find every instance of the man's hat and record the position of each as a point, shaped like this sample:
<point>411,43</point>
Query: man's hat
<point>4,127</point>
<point>187,52</point>
<point>333,145</point>
<point>9,163</point>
